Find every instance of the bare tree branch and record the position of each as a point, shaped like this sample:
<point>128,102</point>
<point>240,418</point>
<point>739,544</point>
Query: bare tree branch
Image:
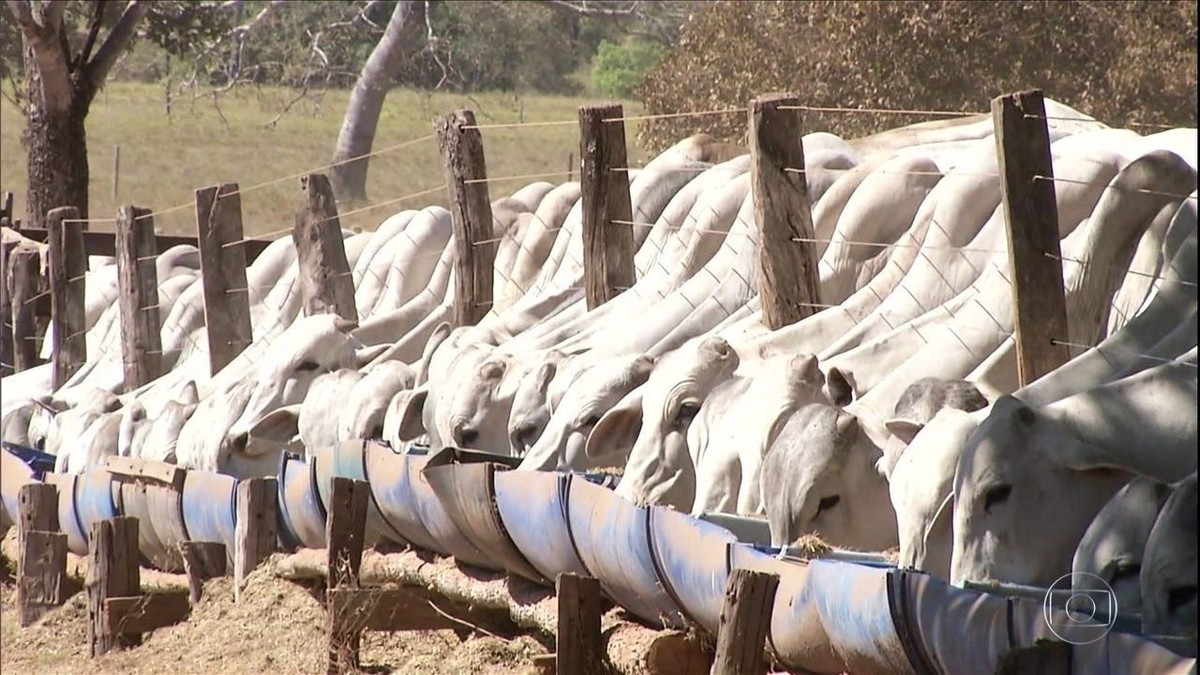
<point>93,32</point>
<point>43,41</point>
<point>587,8</point>
<point>22,12</point>
<point>116,43</point>
<point>53,14</point>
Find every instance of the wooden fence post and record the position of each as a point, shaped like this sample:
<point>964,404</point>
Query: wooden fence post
<point>68,262</point>
<point>745,619</point>
<point>27,284</point>
<point>7,350</point>
<point>1044,658</point>
<point>471,214</point>
<point>42,553</point>
<point>112,573</point>
<point>604,182</point>
<point>223,273</point>
<point>1031,214</point>
<point>345,528</point>
<point>578,646</point>
<point>137,282</point>
<point>787,264</point>
<point>201,560</point>
<point>325,282</point>
<point>256,529</point>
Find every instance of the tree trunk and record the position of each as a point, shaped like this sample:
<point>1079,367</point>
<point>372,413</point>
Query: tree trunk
<point>357,135</point>
<point>57,162</point>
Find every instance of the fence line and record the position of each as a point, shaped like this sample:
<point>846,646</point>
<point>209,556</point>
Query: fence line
<point>888,111</point>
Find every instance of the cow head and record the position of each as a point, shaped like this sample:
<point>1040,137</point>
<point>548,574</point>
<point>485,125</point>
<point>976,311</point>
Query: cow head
<point>532,405</point>
<point>1168,575</point>
<point>592,393</point>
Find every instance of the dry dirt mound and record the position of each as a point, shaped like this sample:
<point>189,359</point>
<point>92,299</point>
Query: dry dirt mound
<point>278,628</point>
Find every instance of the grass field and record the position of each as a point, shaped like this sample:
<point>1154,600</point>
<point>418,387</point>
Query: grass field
<point>165,158</point>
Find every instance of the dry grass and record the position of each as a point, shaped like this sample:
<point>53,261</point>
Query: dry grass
<point>278,628</point>
<point>163,159</point>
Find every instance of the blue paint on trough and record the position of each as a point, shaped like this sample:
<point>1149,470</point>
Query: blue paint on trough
<point>450,540</point>
<point>852,601</point>
<point>68,516</point>
<point>612,537</point>
<point>210,508</point>
<point>533,509</point>
<point>348,460</point>
<point>96,499</point>
<point>390,473</point>
<point>300,506</point>
<point>692,564</point>
<point>464,482</point>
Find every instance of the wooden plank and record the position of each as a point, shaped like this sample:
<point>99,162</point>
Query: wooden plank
<point>1031,216</point>
<point>6,323</point>
<point>471,215</point>
<point>130,616</point>
<point>745,619</point>
<point>223,273</point>
<point>604,190</point>
<point>354,610</point>
<point>146,469</point>
<point>137,296</point>
<point>256,529</point>
<point>345,524</point>
<point>104,243</point>
<point>325,281</point>
<point>787,264</point>
<point>68,262</point>
<point>27,285</point>
<point>1048,657</point>
<point>6,210</point>
<point>201,560</point>
<point>112,572</point>
<point>41,574</point>
<point>579,643</point>
<point>545,664</point>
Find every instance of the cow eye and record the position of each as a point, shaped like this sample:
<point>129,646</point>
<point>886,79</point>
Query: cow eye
<point>687,412</point>
<point>1126,570</point>
<point>591,421</point>
<point>994,495</point>
<point>307,366</point>
<point>1179,596</point>
<point>827,503</point>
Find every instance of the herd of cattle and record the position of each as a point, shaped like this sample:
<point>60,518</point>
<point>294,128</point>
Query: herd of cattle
<point>892,417</point>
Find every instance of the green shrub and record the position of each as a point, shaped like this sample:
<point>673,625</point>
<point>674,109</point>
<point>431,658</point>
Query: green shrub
<point>619,69</point>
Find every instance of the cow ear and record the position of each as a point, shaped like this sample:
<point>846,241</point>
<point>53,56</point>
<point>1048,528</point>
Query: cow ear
<point>545,373</point>
<point>279,426</point>
<point>941,526</point>
<point>436,338</point>
<point>839,387</point>
<point>904,429</point>
<point>189,395</point>
<point>492,371</point>
<point>411,421</point>
<point>617,431</point>
<point>642,367</point>
<point>365,355</point>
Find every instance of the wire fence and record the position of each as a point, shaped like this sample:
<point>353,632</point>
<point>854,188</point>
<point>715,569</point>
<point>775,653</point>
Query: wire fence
<point>963,318</point>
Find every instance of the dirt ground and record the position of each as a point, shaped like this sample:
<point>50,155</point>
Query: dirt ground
<point>278,628</point>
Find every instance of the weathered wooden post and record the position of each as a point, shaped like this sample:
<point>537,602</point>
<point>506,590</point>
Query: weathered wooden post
<point>112,573</point>
<point>604,184</point>
<point>745,619</point>
<point>68,262</point>
<point>201,560</point>
<point>345,528</point>
<point>7,358</point>
<point>1031,214</point>
<point>787,261</point>
<point>256,530</point>
<point>42,553</point>
<point>27,283</point>
<point>578,646</point>
<point>223,273</point>
<point>471,214</point>
<point>137,281</point>
<point>325,282</point>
